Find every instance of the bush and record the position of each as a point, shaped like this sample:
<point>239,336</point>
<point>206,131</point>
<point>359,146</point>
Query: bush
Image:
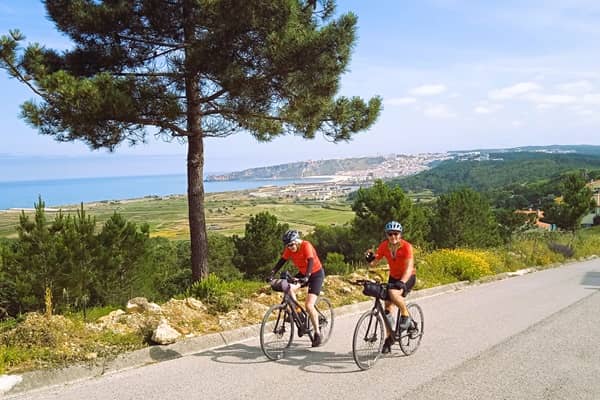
<point>445,266</point>
<point>13,356</point>
<point>221,295</point>
<point>534,250</point>
<point>92,314</point>
<point>587,243</point>
<point>335,265</point>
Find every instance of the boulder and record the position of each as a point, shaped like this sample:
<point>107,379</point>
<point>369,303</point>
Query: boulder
<point>164,333</point>
<point>141,304</point>
<point>195,304</point>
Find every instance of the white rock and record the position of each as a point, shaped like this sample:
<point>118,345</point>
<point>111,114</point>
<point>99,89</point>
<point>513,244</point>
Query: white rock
<point>164,334</point>
<point>141,304</point>
<point>154,308</point>
<point>7,382</point>
<point>195,304</point>
<point>137,304</point>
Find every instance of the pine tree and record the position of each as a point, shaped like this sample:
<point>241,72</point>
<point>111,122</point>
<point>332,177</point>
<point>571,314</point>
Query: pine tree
<point>261,246</point>
<point>463,218</point>
<point>191,69</point>
<point>576,202</point>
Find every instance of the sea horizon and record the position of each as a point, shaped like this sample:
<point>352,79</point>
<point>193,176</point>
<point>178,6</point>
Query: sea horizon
<point>72,191</point>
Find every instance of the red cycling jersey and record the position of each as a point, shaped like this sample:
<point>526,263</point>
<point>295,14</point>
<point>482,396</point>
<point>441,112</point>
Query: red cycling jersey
<point>300,257</point>
<point>398,262</point>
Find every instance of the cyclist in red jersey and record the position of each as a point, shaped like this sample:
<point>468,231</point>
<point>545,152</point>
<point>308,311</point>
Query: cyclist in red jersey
<point>310,272</point>
<point>399,255</point>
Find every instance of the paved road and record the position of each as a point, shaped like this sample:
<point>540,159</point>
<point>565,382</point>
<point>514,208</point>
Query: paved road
<point>528,337</point>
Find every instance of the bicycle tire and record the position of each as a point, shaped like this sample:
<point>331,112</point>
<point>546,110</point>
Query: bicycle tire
<point>411,338</point>
<point>368,339</point>
<point>325,317</point>
<point>276,334</point>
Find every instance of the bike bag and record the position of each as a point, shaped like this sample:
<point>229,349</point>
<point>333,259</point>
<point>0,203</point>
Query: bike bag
<point>280,285</point>
<point>373,289</point>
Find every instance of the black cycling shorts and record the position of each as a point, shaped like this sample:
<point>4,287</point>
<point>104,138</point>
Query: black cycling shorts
<point>394,283</point>
<point>315,282</point>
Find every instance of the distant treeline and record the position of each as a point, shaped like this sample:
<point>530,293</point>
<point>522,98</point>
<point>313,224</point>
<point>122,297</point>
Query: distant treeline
<point>500,171</point>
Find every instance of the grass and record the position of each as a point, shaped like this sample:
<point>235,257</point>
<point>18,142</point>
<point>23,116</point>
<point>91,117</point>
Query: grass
<point>226,213</point>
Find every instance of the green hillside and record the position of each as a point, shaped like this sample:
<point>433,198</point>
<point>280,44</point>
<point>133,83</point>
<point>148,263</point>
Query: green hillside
<point>501,169</point>
<point>302,169</point>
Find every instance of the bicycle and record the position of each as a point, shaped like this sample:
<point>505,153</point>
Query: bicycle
<point>277,328</point>
<point>369,334</point>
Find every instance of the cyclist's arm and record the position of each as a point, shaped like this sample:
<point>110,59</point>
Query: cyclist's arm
<point>309,266</point>
<point>410,269</point>
<point>378,254</point>
<point>410,266</point>
<point>373,263</point>
<point>278,266</point>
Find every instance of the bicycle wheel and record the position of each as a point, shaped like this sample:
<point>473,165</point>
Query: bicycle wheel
<point>411,338</point>
<point>368,339</point>
<point>276,332</point>
<point>325,316</point>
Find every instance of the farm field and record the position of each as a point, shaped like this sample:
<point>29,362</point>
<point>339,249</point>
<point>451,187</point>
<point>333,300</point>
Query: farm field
<point>226,213</point>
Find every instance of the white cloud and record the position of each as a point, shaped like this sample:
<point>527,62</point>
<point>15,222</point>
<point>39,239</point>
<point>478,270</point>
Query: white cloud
<point>439,111</point>
<point>583,86</point>
<point>544,106</point>
<point>400,101</point>
<point>592,98</point>
<point>517,90</point>
<point>487,108</point>
<point>428,90</point>
<point>584,112</point>
<point>551,98</point>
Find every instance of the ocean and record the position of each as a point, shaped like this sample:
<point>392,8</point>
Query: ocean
<point>62,192</point>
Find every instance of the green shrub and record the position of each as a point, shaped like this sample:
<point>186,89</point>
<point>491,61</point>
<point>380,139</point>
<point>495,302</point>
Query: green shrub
<point>588,244</point>
<point>222,295</point>
<point>12,356</point>
<point>444,266</point>
<point>92,313</point>
<point>335,264</point>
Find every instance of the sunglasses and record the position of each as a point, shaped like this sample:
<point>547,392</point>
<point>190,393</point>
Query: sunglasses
<point>393,233</point>
<point>291,245</point>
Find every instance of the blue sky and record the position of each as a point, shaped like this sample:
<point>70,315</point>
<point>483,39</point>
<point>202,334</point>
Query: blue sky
<point>453,75</point>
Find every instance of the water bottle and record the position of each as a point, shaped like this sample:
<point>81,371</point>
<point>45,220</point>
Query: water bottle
<point>390,319</point>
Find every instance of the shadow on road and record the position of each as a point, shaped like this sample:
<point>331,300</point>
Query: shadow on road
<point>299,355</point>
<point>592,279</point>
<point>238,353</point>
<point>161,354</point>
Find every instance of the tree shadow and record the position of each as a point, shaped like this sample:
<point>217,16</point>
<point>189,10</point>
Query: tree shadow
<point>298,355</point>
<point>592,280</point>
<point>158,353</point>
<point>238,353</point>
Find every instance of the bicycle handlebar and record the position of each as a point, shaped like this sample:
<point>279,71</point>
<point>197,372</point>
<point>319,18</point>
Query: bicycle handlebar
<point>279,287</point>
<point>363,281</point>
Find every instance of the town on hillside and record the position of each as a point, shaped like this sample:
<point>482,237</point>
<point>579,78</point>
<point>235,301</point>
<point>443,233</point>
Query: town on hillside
<point>343,182</point>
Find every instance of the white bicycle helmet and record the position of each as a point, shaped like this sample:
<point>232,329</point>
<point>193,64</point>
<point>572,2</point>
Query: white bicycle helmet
<point>290,237</point>
<point>393,226</point>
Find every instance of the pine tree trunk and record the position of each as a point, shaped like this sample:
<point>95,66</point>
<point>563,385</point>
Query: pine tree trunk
<point>195,158</point>
<point>198,239</point>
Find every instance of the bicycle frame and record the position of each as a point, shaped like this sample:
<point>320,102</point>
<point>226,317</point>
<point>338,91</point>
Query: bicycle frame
<point>389,328</point>
<point>303,326</point>
<point>381,310</point>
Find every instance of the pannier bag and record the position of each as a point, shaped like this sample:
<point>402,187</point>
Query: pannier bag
<point>375,290</point>
<point>280,285</point>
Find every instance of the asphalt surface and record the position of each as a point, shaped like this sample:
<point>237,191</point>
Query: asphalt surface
<point>528,337</point>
